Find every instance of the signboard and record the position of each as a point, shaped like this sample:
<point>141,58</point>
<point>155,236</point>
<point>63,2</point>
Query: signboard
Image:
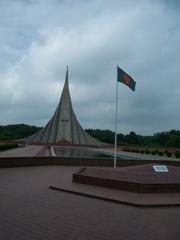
<point>160,168</point>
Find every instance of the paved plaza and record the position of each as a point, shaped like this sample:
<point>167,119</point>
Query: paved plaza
<point>29,210</point>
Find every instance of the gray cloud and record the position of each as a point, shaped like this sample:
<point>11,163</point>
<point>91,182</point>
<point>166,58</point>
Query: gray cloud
<point>92,37</point>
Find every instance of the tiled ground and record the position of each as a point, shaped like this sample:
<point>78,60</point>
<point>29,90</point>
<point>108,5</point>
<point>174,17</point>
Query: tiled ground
<point>29,210</point>
<point>28,151</point>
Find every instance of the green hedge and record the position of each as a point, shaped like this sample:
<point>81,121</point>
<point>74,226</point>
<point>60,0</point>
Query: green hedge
<point>154,152</point>
<point>4,147</point>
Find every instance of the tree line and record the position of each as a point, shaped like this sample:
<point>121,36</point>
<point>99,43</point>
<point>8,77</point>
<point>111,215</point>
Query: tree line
<point>162,139</point>
<point>165,139</point>
<point>17,131</point>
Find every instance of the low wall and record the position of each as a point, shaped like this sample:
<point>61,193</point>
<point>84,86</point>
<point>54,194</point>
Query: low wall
<point>127,186</point>
<point>24,161</point>
<point>74,161</point>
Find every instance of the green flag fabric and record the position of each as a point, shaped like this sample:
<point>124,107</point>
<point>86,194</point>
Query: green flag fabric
<point>125,78</point>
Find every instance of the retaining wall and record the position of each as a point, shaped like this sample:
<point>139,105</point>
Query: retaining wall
<point>74,161</point>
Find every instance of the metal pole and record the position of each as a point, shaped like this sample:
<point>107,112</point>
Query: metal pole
<point>115,135</point>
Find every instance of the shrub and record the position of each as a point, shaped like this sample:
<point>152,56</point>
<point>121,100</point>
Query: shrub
<point>169,154</point>
<point>153,152</point>
<point>147,151</point>
<point>7,146</point>
<point>157,151</point>
<point>142,151</point>
<point>177,154</point>
<point>160,153</point>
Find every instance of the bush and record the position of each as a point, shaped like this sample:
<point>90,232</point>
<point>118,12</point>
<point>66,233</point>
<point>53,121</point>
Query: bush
<point>177,154</point>
<point>169,154</point>
<point>160,153</point>
<point>147,151</point>
<point>137,150</point>
<point>5,147</point>
<point>142,151</point>
<point>157,151</point>
<point>153,152</point>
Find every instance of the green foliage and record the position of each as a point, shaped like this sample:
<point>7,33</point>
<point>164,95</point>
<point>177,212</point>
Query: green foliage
<point>160,153</point>
<point>169,154</point>
<point>106,136</point>
<point>4,147</point>
<point>177,154</point>
<point>153,152</point>
<point>163,139</point>
<point>147,151</point>
<point>170,138</point>
<point>131,138</point>
<point>17,131</point>
<point>157,151</point>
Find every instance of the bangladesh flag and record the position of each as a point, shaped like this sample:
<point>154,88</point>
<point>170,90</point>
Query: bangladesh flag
<point>125,78</point>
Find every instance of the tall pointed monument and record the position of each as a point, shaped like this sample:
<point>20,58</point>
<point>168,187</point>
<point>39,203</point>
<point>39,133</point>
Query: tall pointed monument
<point>63,128</point>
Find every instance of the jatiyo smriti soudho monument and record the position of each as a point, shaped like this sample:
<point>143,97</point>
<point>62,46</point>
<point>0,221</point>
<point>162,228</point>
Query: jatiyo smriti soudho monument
<point>63,128</point>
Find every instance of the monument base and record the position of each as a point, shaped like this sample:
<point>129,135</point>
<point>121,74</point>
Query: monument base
<point>142,179</point>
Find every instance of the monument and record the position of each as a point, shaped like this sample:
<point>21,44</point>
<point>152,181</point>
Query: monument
<point>64,128</point>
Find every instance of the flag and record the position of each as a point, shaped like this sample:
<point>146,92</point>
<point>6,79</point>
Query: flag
<point>125,78</point>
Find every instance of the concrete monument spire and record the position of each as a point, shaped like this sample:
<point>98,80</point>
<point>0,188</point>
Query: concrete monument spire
<point>63,128</point>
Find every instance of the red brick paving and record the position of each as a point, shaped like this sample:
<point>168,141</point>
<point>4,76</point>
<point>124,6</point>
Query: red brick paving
<point>139,174</point>
<point>30,211</point>
<point>117,195</point>
<point>28,151</point>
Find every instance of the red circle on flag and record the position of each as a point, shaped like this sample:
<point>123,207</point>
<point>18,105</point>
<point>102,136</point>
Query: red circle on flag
<point>126,78</point>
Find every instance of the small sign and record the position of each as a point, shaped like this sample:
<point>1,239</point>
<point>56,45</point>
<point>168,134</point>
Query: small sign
<point>160,168</point>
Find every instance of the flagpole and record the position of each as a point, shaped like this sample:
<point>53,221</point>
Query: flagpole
<point>115,135</point>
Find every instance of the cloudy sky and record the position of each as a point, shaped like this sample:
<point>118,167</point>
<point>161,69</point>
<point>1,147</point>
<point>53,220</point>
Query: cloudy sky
<point>39,38</point>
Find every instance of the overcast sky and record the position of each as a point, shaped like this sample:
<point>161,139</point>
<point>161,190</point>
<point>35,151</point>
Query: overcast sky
<point>39,38</point>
